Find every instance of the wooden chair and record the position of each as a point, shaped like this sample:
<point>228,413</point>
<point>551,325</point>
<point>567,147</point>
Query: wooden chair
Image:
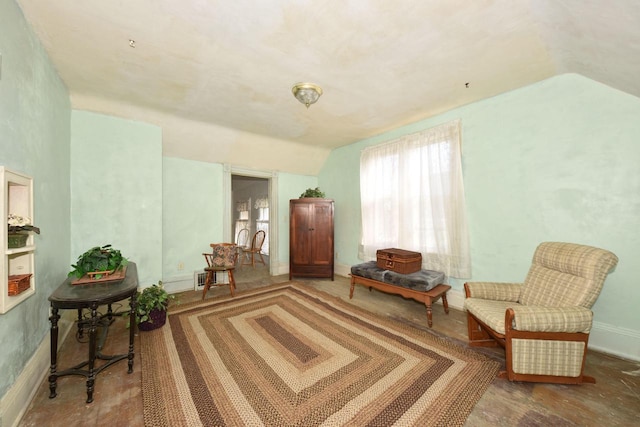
<point>242,242</point>
<point>255,249</point>
<point>544,323</point>
<point>223,257</point>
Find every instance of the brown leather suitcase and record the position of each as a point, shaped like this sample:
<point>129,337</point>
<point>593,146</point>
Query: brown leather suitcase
<point>399,260</point>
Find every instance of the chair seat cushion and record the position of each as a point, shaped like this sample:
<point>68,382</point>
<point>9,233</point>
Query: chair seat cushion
<point>222,268</point>
<point>489,312</point>
<point>422,280</point>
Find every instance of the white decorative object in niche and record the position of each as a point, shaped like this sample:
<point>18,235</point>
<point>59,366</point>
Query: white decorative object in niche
<point>17,264</point>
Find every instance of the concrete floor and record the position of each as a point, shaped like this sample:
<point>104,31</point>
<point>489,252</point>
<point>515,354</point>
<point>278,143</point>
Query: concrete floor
<point>613,401</point>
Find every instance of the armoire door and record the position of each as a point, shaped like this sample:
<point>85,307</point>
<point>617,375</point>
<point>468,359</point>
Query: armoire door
<point>322,233</point>
<point>300,238</point>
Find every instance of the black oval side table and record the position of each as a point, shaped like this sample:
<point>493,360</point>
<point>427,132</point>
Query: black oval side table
<point>90,296</point>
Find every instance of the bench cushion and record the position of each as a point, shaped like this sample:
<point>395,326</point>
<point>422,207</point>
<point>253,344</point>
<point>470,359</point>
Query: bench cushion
<point>422,280</point>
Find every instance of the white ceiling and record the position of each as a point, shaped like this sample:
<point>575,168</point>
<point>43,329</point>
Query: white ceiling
<point>381,63</point>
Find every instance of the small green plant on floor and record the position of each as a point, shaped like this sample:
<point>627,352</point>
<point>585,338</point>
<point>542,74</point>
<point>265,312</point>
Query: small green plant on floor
<point>154,297</point>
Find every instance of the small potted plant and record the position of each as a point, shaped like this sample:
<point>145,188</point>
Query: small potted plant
<point>18,228</point>
<point>98,262</point>
<point>151,307</point>
<point>312,192</point>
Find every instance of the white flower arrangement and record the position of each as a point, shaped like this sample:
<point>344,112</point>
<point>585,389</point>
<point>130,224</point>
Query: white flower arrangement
<point>17,220</point>
<point>20,223</point>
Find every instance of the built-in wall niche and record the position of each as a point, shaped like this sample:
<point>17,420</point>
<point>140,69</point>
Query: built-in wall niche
<point>17,263</point>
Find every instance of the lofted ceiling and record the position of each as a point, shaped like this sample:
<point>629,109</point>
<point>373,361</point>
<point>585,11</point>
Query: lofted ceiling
<point>381,63</point>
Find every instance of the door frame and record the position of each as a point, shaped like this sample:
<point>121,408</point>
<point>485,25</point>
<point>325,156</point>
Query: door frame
<point>272,178</point>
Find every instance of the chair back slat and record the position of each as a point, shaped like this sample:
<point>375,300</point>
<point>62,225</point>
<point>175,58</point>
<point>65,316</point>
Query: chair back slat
<point>258,240</point>
<point>242,240</point>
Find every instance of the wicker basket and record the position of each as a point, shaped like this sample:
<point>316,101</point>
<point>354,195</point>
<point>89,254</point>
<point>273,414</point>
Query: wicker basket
<point>17,240</point>
<point>18,283</point>
<point>158,319</point>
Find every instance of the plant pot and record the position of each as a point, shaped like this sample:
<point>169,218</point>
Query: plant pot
<point>17,240</point>
<point>158,319</point>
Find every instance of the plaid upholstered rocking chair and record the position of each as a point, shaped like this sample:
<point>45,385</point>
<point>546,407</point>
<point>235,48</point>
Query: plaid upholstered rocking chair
<point>544,323</point>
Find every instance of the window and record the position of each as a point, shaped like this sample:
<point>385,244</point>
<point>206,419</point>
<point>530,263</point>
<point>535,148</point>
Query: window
<point>412,197</point>
<point>243,217</point>
<point>262,223</point>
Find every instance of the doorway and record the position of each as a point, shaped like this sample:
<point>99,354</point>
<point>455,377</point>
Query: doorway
<point>251,197</point>
<point>250,208</point>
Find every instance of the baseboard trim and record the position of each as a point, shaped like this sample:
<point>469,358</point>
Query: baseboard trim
<point>342,269</point>
<point>178,284</point>
<point>620,342</point>
<point>455,299</point>
<point>15,402</point>
<point>280,268</point>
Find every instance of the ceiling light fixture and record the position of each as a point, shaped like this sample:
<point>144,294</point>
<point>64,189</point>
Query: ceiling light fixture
<point>307,93</point>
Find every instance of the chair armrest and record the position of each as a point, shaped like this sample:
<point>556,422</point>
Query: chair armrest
<point>550,319</point>
<point>496,291</point>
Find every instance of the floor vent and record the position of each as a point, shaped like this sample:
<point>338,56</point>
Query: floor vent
<point>199,278</point>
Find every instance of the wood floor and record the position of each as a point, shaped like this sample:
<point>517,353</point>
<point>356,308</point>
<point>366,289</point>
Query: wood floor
<point>613,401</point>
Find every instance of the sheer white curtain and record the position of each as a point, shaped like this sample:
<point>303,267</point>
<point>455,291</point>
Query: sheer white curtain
<point>262,223</point>
<point>243,216</point>
<point>412,198</point>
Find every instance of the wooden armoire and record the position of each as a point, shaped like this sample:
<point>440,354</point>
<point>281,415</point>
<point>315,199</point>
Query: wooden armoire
<point>311,238</point>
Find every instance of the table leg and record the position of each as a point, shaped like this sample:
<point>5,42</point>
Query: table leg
<point>80,332</point>
<point>92,352</point>
<point>427,303</point>
<point>132,328</point>
<point>54,352</point>
<point>353,285</point>
<point>445,303</point>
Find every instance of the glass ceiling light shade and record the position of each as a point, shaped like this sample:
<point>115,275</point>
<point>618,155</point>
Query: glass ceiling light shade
<point>307,93</point>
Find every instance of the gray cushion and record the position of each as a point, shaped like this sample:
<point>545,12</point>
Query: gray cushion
<point>422,280</point>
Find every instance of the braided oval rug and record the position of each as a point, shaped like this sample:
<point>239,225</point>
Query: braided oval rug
<point>290,355</point>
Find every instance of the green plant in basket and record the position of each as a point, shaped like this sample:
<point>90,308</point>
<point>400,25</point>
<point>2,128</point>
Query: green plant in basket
<point>17,223</point>
<point>18,228</point>
<point>312,192</point>
<point>152,298</point>
<point>98,259</point>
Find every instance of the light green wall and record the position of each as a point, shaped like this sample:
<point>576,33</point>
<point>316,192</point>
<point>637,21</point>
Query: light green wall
<point>553,161</point>
<point>34,139</point>
<point>340,180</point>
<point>192,214</point>
<point>116,188</point>
<point>193,208</point>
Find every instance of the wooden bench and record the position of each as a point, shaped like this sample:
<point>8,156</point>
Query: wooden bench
<point>383,280</point>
